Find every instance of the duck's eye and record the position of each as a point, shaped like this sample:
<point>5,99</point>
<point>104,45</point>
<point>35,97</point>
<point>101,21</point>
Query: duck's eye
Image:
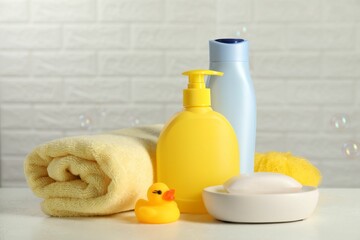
<point>157,192</point>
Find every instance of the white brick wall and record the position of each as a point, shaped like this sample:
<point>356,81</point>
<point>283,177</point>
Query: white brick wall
<point>163,37</point>
<point>184,11</point>
<point>13,11</point>
<point>27,90</point>
<point>29,37</point>
<point>102,36</point>
<point>14,63</point>
<point>97,90</point>
<point>128,64</point>
<point>287,64</point>
<point>63,10</point>
<point>132,10</point>
<point>287,10</point>
<point>68,63</point>
<point>119,63</point>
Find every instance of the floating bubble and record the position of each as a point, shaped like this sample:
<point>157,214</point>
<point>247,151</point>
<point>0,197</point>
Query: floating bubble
<point>340,121</point>
<point>241,33</point>
<point>351,149</point>
<point>85,121</point>
<point>134,121</point>
<point>103,113</point>
<point>101,118</point>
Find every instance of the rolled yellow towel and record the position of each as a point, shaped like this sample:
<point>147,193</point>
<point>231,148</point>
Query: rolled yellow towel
<point>93,175</point>
<point>284,162</point>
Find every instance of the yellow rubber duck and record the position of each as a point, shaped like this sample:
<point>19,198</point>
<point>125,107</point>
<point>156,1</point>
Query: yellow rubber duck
<point>160,208</point>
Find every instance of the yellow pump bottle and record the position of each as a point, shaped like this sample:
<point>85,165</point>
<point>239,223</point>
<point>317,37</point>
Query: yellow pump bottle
<point>197,147</point>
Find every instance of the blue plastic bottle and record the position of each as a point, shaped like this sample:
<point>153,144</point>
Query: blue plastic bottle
<point>233,96</point>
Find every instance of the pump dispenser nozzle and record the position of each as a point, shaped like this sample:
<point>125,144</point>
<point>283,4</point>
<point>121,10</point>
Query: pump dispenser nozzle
<point>197,95</point>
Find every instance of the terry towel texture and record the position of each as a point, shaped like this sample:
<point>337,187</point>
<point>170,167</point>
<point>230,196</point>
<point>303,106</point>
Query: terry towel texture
<point>93,175</point>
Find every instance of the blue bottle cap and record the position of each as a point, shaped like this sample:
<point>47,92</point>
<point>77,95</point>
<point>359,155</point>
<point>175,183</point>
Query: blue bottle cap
<point>229,50</point>
<point>230,40</point>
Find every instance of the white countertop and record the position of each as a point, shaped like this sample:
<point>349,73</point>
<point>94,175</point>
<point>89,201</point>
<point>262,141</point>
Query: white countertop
<point>336,217</point>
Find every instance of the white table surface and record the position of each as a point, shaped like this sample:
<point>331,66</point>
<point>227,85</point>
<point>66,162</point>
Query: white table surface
<point>336,217</point>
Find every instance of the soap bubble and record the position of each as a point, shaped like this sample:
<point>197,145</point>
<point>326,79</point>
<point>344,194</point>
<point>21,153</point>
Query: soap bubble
<point>102,118</point>
<point>241,33</point>
<point>85,121</point>
<point>134,121</point>
<point>340,121</point>
<point>244,29</point>
<point>103,113</point>
<point>351,149</point>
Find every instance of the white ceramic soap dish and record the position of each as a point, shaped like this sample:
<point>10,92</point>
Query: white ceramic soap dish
<point>260,208</point>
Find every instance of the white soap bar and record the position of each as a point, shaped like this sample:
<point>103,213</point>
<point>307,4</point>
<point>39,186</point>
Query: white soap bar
<point>262,183</point>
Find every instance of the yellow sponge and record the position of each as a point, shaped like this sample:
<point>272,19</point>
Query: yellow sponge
<point>296,167</point>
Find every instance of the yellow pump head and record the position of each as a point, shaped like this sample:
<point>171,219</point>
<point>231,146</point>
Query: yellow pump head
<point>197,95</point>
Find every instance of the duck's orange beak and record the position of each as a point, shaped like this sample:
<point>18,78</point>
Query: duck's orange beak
<point>169,195</point>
